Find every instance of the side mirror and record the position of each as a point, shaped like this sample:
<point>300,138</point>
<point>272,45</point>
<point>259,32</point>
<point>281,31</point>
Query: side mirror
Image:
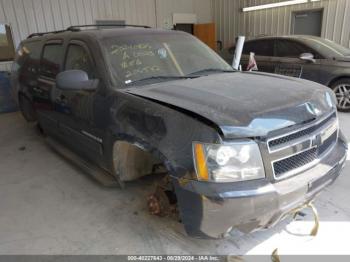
<point>308,57</point>
<point>75,80</point>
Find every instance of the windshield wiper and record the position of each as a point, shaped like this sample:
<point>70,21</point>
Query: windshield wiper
<point>211,70</point>
<point>159,78</point>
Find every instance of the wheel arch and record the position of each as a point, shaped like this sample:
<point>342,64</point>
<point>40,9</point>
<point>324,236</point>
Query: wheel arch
<point>336,79</point>
<point>137,154</point>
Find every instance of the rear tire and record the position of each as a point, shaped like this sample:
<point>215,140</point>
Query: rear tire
<point>341,88</point>
<point>27,109</point>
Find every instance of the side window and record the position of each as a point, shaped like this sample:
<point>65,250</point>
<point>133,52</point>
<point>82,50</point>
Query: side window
<point>27,57</point>
<point>78,58</point>
<point>248,47</point>
<point>260,48</point>
<point>264,47</point>
<point>31,54</point>
<point>51,60</point>
<point>18,61</point>
<point>291,49</point>
<point>32,49</point>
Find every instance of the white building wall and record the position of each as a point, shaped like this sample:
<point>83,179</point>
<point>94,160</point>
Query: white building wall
<point>165,9</point>
<point>30,16</point>
<point>231,21</point>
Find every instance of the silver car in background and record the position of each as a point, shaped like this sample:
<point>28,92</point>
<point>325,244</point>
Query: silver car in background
<point>308,57</point>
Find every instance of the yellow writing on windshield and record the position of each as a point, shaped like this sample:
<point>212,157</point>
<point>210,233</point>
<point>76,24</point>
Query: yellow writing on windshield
<point>117,49</point>
<point>133,58</point>
<point>143,70</point>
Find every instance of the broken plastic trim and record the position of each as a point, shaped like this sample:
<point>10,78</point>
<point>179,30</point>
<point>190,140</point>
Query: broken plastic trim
<point>314,230</point>
<point>275,256</point>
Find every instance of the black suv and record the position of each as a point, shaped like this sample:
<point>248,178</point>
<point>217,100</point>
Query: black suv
<point>309,57</point>
<point>241,150</point>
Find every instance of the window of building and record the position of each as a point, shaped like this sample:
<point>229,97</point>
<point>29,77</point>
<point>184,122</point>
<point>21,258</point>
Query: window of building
<point>7,49</point>
<point>78,58</point>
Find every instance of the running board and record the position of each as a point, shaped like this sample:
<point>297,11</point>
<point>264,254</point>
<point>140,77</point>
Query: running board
<point>100,175</point>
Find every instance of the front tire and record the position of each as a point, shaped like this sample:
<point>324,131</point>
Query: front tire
<point>341,88</point>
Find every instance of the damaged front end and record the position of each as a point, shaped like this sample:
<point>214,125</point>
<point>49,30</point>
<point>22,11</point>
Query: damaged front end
<point>246,199</point>
<point>236,162</point>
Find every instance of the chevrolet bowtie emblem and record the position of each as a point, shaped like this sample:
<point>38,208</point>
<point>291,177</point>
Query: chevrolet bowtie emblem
<point>317,140</point>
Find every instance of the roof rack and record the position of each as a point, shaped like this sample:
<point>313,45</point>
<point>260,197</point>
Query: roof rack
<point>76,28</point>
<point>45,33</point>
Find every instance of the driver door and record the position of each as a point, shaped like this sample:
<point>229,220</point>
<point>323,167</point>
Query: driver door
<point>76,107</point>
<point>288,60</point>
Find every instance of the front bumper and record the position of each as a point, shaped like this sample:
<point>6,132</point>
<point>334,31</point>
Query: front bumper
<point>212,209</point>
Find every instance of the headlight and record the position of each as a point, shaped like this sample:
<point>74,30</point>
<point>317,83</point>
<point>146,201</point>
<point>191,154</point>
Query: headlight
<point>232,162</point>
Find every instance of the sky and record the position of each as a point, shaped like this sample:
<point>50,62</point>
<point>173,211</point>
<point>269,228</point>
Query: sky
<point>2,29</point>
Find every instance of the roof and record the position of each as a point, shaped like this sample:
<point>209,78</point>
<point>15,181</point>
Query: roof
<point>300,37</point>
<point>103,32</point>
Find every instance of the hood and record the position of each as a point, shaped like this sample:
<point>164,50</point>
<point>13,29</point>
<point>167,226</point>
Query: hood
<point>243,104</point>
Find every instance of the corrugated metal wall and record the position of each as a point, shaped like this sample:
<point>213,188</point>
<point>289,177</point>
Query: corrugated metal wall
<point>29,16</point>
<point>231,21</point>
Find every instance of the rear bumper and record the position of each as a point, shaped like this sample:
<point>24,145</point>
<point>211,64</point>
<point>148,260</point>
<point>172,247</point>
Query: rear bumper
<point>212,210</point>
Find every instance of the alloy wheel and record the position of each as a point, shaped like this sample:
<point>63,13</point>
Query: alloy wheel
<point>342,92</point>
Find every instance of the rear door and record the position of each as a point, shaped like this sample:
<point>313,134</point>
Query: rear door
<point>288,53</point>
<point>50,66</point>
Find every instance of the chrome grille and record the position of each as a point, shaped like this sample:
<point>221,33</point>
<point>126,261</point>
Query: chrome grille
<point>286,165</point>
<point>327,144</point>
<point>295,151</point>
<point>276,142</point>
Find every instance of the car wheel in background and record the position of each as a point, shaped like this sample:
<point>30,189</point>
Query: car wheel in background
<point>27,109</point>
<point>341,89</point>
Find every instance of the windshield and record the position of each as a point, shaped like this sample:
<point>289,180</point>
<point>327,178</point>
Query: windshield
<point>327,47</point>
<point>133,58</point>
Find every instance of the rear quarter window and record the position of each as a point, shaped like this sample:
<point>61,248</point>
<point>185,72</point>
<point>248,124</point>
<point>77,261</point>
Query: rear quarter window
<point>27,56</point>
